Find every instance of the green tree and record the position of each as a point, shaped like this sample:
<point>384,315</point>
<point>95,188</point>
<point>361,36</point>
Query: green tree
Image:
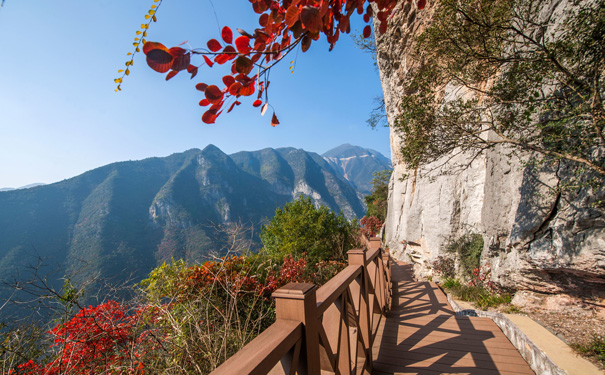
<point>299,227</point>
<point>377,202</point>
<point>525,77</point>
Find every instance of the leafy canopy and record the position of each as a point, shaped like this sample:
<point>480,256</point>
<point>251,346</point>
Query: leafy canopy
<point>300,228</point>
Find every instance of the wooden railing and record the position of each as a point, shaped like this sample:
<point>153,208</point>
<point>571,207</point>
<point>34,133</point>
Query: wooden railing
<point>325,330</point>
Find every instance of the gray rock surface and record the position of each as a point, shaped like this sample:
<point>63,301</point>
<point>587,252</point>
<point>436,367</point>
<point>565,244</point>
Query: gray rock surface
<point>534,238</point>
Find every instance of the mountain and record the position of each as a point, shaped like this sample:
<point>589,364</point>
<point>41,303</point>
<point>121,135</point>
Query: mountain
<point>120,221</point>
<point>291,172</point>
<point>356,165</point>
<point>22,187</point>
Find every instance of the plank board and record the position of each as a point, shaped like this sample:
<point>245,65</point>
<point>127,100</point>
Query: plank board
<point>422,336</point>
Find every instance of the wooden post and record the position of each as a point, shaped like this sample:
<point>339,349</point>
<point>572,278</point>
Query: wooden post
<point>297,301</point>
<point>358,257</point>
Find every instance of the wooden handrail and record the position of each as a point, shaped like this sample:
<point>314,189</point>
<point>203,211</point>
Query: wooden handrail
<point>327,329</point>
<point>331,290</point>
<point>275,342</point>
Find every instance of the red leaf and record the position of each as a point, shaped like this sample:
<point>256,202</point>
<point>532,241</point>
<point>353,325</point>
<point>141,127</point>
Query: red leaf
<point>148,46</point>
<point>209,117</point>
<point>213,94</point>
<point>244,33</point>
<point>171,74</point>
<point>181,62</point>
<point>274,121</point>
<point>159,60</point>
<point>257,103</point>
<point>177,51</point>
<point>247,90</point>
<point>383,27</point>
<point>259,45</point>
<point>214,45</point>
<point>421,4</point>
<point>263,19</point>
<point>208,61</point>
<point>260,6</point>
<point>227,35</point>
<point>292,15</point>
<point>204,102</point>
<point>306,43</point>
<point>367,31</point>
<point>243,65</point>
<point>221,59</point>
<point>230,52</point>
<point>235,88</point>
<point>310,18</point>
<point>243,44</point>
<point>193,70</point>
<point>366,18</point>
<point>228,80</point>
<point>201,86</point>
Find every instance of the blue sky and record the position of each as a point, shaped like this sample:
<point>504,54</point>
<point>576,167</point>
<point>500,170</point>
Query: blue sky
<point>60,116</point>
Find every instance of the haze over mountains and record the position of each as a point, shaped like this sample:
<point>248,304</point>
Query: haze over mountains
<point>123,219</point>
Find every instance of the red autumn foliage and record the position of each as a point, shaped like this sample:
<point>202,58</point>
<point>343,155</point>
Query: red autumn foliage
<point>284,25</point>
<point>370,226</point>
<point>110,338</point>
<point>93,341</point>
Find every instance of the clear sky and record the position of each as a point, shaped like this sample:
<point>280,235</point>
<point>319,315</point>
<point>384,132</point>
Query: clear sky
<point>60,116</point>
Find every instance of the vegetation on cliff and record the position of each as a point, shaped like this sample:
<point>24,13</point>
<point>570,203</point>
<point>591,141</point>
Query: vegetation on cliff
<point>513,73</point>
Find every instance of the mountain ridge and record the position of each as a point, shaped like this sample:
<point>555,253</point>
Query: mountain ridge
<point>127,217</point>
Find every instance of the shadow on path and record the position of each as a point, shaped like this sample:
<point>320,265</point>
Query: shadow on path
<point>421,335</point>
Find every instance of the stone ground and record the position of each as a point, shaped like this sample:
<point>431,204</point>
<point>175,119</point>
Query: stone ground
<point>572,319</point>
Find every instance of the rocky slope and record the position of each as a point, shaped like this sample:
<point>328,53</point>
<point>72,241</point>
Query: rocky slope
<point>534,239</point>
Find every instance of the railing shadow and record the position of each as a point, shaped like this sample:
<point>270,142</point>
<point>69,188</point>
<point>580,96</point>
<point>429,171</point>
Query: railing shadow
<point>421,335</point>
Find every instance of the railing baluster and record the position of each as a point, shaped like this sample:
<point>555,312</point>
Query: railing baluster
<point>358,257</point>
<point>297,301</point>
<point>336,334</point>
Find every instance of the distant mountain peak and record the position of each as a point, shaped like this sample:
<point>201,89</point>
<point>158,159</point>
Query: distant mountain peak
<point>357,164</point>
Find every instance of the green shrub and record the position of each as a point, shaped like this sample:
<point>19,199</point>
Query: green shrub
<point>480,296</point>
<point>300,228</point>
<point>468,249</point>
<point>595,348</point>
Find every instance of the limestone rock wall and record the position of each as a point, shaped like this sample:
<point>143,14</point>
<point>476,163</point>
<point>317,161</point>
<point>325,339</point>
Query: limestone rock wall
<point>533,239</point>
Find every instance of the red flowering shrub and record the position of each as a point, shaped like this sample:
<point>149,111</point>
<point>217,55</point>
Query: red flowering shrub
<point>370,226</point>
<point>190,320</point>
<point>27,368</point>
<point>96,340</point>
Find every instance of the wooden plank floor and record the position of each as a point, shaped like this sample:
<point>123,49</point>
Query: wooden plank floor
<point>421,335</point>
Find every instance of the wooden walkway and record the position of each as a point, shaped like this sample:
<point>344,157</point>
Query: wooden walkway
<point>421,335</point>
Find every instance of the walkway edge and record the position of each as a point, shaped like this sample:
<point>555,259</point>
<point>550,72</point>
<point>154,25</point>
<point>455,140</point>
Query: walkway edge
<point>537,359</point>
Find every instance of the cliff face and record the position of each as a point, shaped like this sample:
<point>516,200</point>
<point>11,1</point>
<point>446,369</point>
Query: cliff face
<point>534,239</point>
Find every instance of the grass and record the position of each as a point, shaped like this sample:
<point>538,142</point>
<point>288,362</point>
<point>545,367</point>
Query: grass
<point>481,297</point>
<point>595,348</point>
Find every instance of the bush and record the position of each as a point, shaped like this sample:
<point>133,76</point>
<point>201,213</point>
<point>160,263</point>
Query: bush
<point>468,249</point>
<point>370,226</point>
<point>300,228</point>
<point>445,266</point>
<point>594,348</point>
